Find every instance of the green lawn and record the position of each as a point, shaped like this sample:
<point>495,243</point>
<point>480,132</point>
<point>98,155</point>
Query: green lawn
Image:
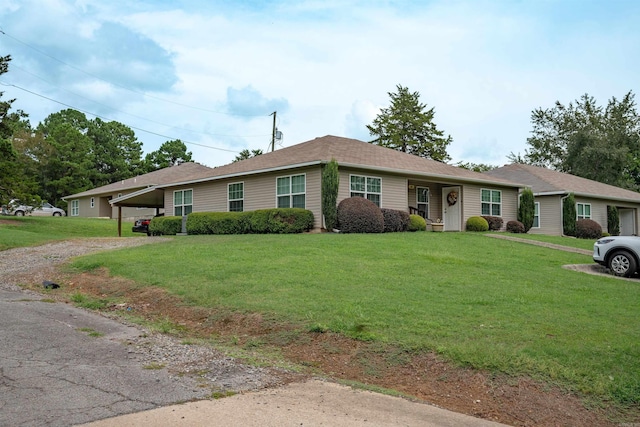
<point>30,231</point>
<point>558,240</point>
<point>481,302</point>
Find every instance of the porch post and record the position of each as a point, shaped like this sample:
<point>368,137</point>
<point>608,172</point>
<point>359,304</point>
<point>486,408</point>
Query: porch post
<point>119,221</point>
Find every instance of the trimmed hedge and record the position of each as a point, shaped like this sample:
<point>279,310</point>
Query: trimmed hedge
<point>495,222</point>
<point>515,227</point>
<point>417,223</point>
<point>165,225</point>
<point>265,221</point>
<point>395,220</point>
<point>359,215</point>
<point>588,229</point>
<point>477,223</point>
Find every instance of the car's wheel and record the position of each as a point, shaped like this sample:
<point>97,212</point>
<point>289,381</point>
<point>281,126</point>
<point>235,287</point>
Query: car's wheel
<point>57,214</point>
<point>19,213</point>
<point>622,263</point>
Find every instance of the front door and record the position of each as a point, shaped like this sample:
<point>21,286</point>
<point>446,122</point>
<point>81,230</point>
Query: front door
<point>451,208</point>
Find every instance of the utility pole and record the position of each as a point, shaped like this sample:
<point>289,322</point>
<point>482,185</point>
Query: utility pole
<point>273,132</point>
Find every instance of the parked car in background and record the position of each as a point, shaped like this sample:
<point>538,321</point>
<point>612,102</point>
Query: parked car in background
<point>16,208</point>
<point>621,254</point>
<point>142,225</point>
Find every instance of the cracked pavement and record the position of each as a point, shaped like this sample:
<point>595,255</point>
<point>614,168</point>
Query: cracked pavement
<point>61,366</point>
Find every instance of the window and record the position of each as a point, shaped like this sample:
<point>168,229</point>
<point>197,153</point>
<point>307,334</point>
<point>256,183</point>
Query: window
<point>583,210</point>
<point>291,191</point>
<point>93,203</point>
<point>536,215</point>
<point>367,187</point>
<point>182,202</point>
<point>75,209</point>
<point>422,201</point>
<point>491,202</point>
<point>236,197</point>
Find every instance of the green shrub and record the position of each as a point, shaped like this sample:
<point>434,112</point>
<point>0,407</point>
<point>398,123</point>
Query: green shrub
<point>330,185</point>
<point>569,215</point>
<point>165,225</point>
<point>359,215</point>
<point>527,209</point>
<point>477,223</point>
<point>417,223</point>
<point>613,220</point>
<point>395,220</point>
<point>218,222</point>
<point>515,227</point>
<point>588,229</point>
<point>495,222</point>
<point>280,221</point>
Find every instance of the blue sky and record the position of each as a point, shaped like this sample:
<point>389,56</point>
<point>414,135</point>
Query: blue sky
<point>212,72</point>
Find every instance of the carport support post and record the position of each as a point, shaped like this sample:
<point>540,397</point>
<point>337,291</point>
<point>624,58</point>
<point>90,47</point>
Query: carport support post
<point>119,221</point>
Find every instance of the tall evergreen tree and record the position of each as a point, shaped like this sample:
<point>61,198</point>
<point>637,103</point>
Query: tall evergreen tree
<point>526,209</point>
<point>170,153</point>
<point>407,125</point>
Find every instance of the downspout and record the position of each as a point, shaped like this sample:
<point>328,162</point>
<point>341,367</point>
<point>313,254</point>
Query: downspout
<point>562,215</point>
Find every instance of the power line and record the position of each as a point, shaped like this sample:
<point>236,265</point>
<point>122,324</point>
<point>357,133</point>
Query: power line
<point>13,66</point>
<point>108,119</point>
<point>124,87</point>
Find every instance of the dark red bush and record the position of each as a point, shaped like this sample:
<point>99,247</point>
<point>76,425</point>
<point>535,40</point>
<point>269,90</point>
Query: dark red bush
<point>395,220</point>
<point>588,229</point>
<point>515,227</point>
<point>359,215</point>
<point>495,222</point>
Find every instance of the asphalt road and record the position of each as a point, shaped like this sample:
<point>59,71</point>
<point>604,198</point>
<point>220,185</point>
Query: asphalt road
<point>53,372</point>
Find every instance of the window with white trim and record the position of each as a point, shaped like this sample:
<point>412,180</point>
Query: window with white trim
<point>536,215</point>
<point>75,207</point>
<point>182,202</point>
<point>366,186</point>
<point>236,197</point>
<point>93,203</point>
<point>422,201</point>
<point>291,191</point>
<point>491,201</point>
<point>583,210</point>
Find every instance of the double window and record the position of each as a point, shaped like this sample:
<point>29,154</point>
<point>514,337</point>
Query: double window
<point>583,210</point>
<point>491,201</point>
<point>367,187</point>
<point>291,191</point>
<point>236,197</point>
<point>75,208</point>
<point>182,202</point>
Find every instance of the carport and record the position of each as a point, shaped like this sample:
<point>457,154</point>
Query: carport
<point>150,197</point>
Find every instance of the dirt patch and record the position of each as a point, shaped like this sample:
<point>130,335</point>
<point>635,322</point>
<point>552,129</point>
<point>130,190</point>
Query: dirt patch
<point>421,376</point>
<point>10,222</point>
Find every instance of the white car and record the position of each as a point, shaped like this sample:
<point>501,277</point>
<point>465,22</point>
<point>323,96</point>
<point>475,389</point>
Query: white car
<point>46,209</point>
<point>621,254</point>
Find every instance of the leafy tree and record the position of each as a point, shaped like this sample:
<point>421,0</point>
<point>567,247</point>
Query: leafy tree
<point>527,208</point>
<point>246,154</point>
<point>116,152</point>
<point>476,167</point>
<point>330,184</point>
<point>170,153</point>
<point>569,215</point>
<point>590,141</point>
<point>408,126</point>
<point>613,220</point>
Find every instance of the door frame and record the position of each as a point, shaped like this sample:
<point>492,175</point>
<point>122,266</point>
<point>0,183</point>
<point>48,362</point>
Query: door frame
<point>451,214</point>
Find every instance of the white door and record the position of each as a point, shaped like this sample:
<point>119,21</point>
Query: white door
<point>451,208</point>
<point>627,224</point>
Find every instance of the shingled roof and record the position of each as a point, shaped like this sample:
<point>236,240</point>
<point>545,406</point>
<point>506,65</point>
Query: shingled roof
<point>347,152</point>
<point>547,181</point>
<point>188,171</point>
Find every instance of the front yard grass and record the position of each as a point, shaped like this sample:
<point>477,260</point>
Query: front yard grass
<point>485,303</point>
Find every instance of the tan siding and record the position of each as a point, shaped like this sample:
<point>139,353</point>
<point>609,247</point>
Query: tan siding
<point>394,188</point>
<point>472,203</point>
<point>598,210</point>
<point>550,216</point>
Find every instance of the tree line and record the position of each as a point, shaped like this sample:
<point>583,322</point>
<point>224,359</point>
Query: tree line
<point>68,153</point>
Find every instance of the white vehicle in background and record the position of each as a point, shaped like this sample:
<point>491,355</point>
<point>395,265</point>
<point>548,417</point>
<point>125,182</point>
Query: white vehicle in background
<point>46,209</point>
<point>621,254</point>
